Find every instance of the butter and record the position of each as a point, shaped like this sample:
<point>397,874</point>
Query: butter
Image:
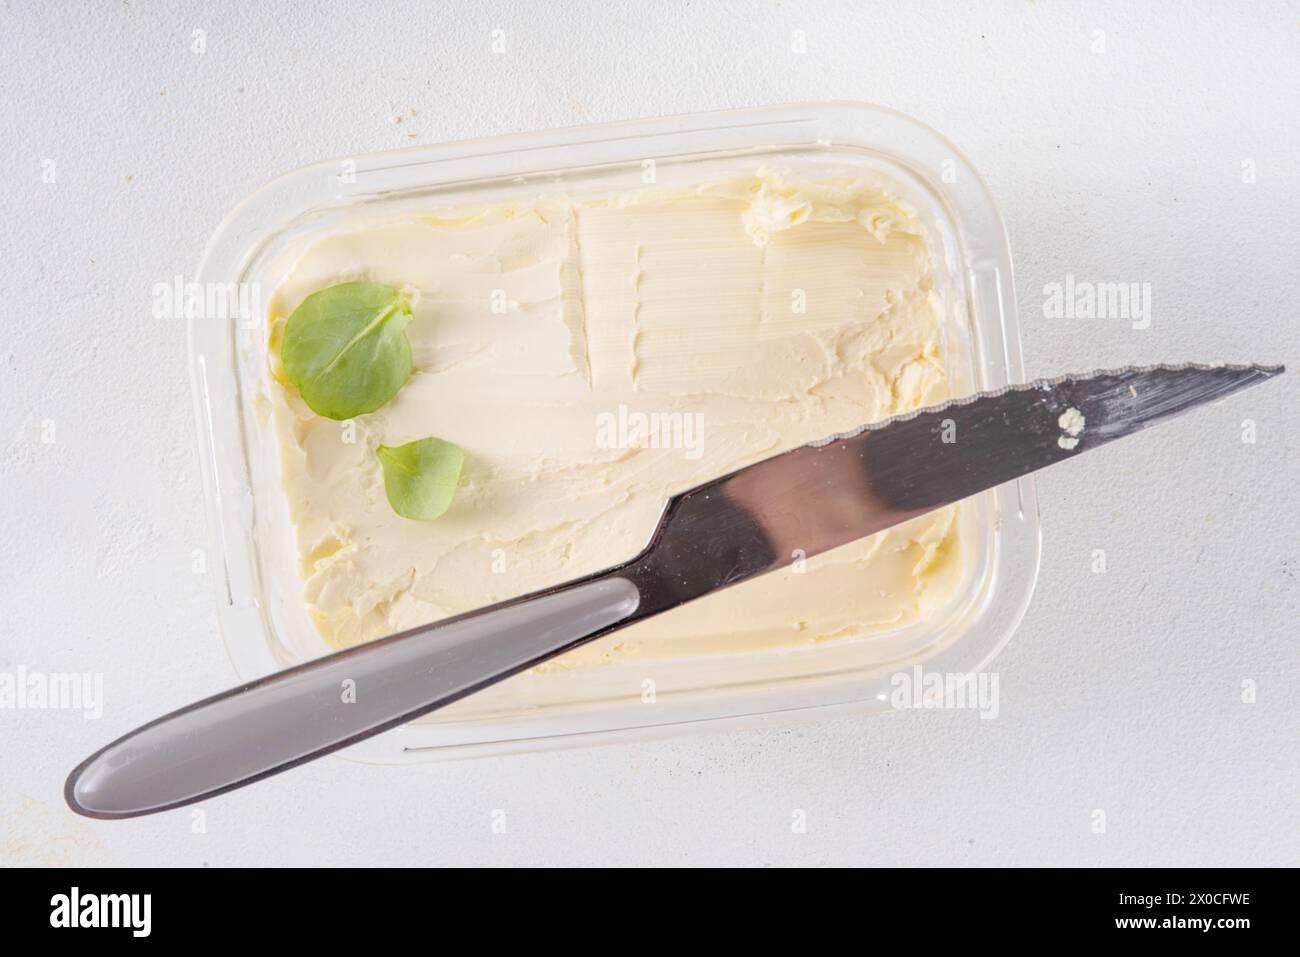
<point>1071,423</point>
<point>594,354</point>
<point>773,210</point>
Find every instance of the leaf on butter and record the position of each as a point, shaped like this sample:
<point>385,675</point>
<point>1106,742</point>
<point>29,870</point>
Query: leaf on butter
<point>420,478</point>
<point>345,348</point>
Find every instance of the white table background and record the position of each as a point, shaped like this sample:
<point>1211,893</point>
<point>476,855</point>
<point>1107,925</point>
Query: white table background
<point>1121,691</point>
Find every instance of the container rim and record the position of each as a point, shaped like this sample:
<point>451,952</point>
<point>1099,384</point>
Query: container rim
<point>346,181</point>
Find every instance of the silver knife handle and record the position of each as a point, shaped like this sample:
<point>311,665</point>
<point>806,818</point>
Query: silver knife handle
<point>309,710</point>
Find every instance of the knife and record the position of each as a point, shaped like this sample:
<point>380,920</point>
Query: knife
<point>810,499</point>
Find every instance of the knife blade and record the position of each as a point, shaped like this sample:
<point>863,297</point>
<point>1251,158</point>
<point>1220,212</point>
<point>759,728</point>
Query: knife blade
<point>801,502</point>
<point>845,487</point>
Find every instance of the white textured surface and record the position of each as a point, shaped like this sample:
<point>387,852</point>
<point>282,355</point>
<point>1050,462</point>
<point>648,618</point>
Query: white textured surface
<point>1121,692</point>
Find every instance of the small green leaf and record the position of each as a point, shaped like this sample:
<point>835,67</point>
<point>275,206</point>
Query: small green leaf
<point>420,477</point>
<point>345,348</point>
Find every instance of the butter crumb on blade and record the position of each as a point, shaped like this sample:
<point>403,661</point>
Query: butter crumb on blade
<point>1071,423</point>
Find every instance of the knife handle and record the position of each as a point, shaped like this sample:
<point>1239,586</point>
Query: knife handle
<point>272,724</point>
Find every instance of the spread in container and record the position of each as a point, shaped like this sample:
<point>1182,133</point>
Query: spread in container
<point>594,354</point>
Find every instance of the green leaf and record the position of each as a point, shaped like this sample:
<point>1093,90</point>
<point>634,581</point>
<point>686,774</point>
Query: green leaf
<point>345,348</point>
<point>420,477</point>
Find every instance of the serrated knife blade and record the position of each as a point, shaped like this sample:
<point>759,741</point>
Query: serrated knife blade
<point>810,499</point>
<point>834,491</point>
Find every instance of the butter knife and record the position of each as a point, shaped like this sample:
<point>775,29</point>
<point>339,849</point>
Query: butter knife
<point>805,501</point>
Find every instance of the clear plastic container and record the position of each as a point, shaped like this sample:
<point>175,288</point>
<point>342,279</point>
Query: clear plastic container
<point>261,609</point>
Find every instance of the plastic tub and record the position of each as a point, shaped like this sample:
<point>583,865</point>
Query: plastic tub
<point>261,611</point>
